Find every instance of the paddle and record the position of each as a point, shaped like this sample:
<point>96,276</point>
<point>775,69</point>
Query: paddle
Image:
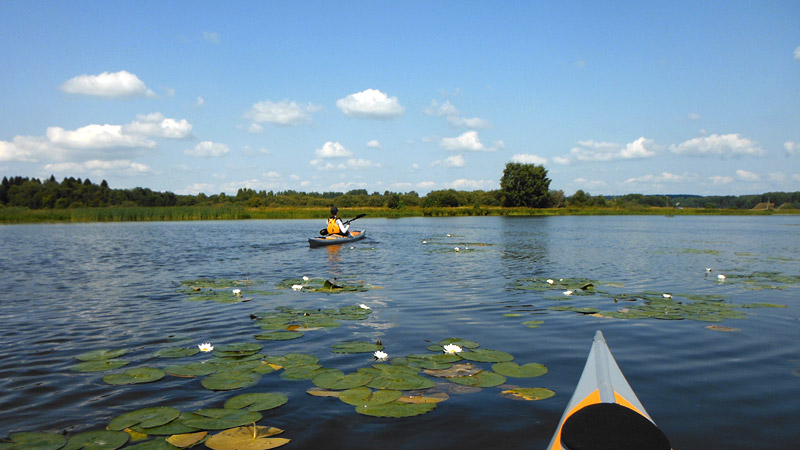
<point>324,231</point>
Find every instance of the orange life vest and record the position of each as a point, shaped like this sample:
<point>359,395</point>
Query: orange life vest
<point>333,227</point>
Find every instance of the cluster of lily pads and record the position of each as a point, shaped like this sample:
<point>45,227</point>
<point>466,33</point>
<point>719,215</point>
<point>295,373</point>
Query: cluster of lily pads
<point>317,284</point>
<point>452,243</point>
<point>286,323</point>
<point>223,290</point>
<point>638,305</point>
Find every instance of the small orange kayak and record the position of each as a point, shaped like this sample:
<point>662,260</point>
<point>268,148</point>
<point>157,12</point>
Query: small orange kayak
<point>604,413</point>
<point>336,239</point>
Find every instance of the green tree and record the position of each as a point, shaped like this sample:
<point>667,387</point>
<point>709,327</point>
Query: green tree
<point>525,185</point>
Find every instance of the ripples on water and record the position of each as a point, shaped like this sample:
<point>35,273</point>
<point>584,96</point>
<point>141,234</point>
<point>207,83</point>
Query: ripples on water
<point>67,289</point>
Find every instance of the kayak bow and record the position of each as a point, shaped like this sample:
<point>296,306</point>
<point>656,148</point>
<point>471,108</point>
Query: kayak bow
<point>336,239</point>
<point>604,412</point>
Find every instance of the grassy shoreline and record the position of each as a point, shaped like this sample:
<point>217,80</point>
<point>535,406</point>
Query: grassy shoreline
<point>16,215</point>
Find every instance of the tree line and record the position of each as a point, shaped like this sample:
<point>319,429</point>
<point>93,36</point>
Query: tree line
<point>522,185</point>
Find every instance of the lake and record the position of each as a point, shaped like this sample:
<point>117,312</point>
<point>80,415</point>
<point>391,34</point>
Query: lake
<point>68,289</point>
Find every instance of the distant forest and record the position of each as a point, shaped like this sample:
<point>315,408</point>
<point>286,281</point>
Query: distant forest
<point>76,193</point>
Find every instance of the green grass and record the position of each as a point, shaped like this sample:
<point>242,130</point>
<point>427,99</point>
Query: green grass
<point>11,215</point>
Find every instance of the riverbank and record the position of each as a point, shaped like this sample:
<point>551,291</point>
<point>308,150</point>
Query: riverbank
<point>229,212</point>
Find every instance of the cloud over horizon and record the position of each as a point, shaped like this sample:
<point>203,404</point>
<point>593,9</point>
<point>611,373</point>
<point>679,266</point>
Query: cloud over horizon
<point>107,84</point>
<point>371,104</point>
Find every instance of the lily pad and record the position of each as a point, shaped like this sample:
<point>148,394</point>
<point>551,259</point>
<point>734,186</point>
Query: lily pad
<point>98,366</point>
<point>137,375</point>
<point>336,379</point>
<point>529,394</point>
<point>37,441</point>
<point>220,418</point>
<point>457,370</point>
<point>463,343</point>
<point>247,438</point>
<point>145,418</point>
<point>533,323</point>
<point>177,352</point>
<point>356,347</point>
<point>187,439</point>
<point>483,379</point>
<point>306,372</point>
<point>319,392</point>
<point>399,381</point>
<point>512,369</point>
<point>97,440</point>
<point>259,401</point>
<point>396,409</point>
<point>366,396</point>
<point>198,369</point>
<point>230,380</point>
<point>102,354</point>
<point>174,427</point>
<point>238,349</point>
<point>159,443</point>
<point>435,397</point>
<point>485,355</point>
<point>279,336</point>
<point>291,360</point>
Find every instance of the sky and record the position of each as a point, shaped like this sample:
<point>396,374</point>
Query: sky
<point>199,96</point>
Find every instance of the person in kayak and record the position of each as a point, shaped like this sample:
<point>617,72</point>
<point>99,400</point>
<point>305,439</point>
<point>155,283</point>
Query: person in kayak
<point>335,225</point>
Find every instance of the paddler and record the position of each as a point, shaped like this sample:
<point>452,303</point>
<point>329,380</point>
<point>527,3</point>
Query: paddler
<point>335,225</point>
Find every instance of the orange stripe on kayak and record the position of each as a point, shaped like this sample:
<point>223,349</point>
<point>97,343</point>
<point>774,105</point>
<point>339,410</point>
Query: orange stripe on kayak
<point>590,399</point>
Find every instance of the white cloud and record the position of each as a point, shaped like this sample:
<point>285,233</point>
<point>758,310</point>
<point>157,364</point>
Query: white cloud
<point>117,84</point>
<point>156,125</point>
<point>473,122</point>
<point>361,164</point>
<point>211,36</point>
<point>333,150</point>
<point>272,174</point>
<point>608,151</point>
<point>664,177</point>
<point>590,184</point>
<point>454,161</point>
<point>465,184</point>
<point>370,103</point>
<point>426,185</point>
<point>350,164</point>
<point>693,116</point>
<point>347,186</point>
<point>97,166</point>
<point>280,113</point>
<point>468,141</point>
<point>779,177</point>
<point>374,144</point>
<point>453,116</point>
<point>97,137</point>
<point>255,128</point>
<point>25,148</point>
<point>527,158</point>
<point>562,160</point>
<point>719,179</point>
<point>792,148</point>
<point>744,175</point>
<point>717,145</point>
<point>797,53</point>
<point>208,149</point>
<point>444,109</point>
<point>200,101</point>
<point>198,188</point>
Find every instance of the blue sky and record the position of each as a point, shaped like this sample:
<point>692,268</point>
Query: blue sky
<point>611,97</point>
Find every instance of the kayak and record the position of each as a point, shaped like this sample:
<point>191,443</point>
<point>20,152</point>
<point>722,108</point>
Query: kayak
<point>604,412</point>
<point>336,239</point>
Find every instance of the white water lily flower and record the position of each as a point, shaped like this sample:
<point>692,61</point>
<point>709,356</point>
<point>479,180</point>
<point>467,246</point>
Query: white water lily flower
<point>568,292</point>
<point>452,349</point>
<point>305,278</point>
<point>363,306</point>
<point>205,347</point>
<point>424,242</point>
<point>457,249</point>
<point>666,295</point>
<point>721,277</point>
<point>237,292</point>
<point>549,281</point>
<point>708,269</point>
<point>380,355</point>
<point>297,287</point>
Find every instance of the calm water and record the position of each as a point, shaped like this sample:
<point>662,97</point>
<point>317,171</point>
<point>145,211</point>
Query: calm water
<point>67,289</point>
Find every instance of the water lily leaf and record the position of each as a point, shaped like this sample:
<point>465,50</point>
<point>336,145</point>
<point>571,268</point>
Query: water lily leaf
<point>187,439</point>
<point>245,365</point>
<point>435,397</point>
<point>153,444</point>
<point>98,366</point>
<point>512,369</point>
<point>135,376</point>
<point>259,401</point>
<point>292,360</point>
<point>319,392</point>
<point>457,370</point>
<point>529,394</point>
<point>356,347</point>
<point>722,328</point>
<point>37,441</point>
<point>247,438</point>
<point>220,418</point>
<point>302,372</point>
<point>177,352</point>
<point>145,418</point>
<point>101,354</point>
<point>336,379</point>
<point>433,360</point>
<point>366,396</point>
<point>533,323</point>
<point>229,380</point>
<point>279,336</point>
<point>174,427</point>
<point>396,409</point>
<point>264,369</point>
<point>238,349</point>
<point>197,369</point>
<point>483,379</point>
<point>399,381</point>
<point>97,440</point>
<point>485,355</point>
